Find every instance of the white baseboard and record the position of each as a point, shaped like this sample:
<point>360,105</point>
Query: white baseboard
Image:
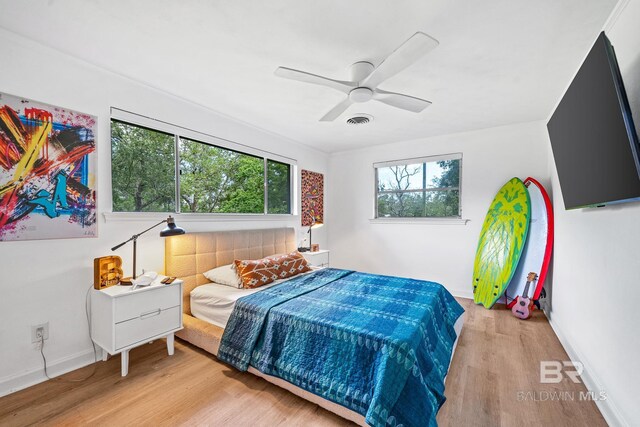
<point>592,382</point>
<point>462,294</point>
<point>13,383</point>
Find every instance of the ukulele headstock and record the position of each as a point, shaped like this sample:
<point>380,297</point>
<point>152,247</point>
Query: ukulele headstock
<point>531,277</point>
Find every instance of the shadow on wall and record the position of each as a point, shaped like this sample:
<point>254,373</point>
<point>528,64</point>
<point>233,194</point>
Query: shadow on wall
<point>546,304</point>
<point>631,78</point>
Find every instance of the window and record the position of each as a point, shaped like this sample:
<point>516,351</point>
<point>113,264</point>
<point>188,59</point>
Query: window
<point>428,187</point>
<point>216,180</point>
<point>279,185</point>
<point>143,171</point>
<point>153,171</point>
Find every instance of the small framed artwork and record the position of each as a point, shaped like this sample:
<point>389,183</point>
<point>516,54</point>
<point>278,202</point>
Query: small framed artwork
<point>312,192</point>
<point>315,247</point>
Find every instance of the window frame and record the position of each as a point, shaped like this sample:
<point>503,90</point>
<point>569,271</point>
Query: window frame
<point>454,219</point>
<point>178,133</point>
<point>266,186</point>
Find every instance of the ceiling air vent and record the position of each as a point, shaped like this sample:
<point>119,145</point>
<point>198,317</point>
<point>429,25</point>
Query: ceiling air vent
<point>360,119</point>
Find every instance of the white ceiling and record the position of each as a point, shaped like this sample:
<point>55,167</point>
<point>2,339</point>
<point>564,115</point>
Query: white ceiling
<point>499,61</point>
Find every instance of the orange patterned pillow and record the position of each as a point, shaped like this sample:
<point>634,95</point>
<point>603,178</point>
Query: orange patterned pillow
<point>256,273</point>
<point>290,264</point>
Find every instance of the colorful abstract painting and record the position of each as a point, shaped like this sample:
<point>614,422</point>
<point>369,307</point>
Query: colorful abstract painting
<point>312,197</point>
<point>47,171</point>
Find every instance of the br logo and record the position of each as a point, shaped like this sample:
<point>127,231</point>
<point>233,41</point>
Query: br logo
<point>553,371</point>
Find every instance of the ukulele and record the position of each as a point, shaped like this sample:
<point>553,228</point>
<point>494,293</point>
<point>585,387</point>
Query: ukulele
<point>523,307</point>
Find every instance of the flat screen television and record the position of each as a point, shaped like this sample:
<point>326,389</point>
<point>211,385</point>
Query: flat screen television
<point>593,138</point>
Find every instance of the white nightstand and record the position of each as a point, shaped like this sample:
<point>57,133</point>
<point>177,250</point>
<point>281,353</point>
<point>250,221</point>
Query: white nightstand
<point>317,259</point>
<point>122,319</point>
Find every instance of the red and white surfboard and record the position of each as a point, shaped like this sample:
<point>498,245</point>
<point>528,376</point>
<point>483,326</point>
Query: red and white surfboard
<point>537,250</point>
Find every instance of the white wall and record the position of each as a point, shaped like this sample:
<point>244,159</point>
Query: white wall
<point>596,263</point>
<point>47,280</point>
<point>594,282</point>
<point>441,253</point>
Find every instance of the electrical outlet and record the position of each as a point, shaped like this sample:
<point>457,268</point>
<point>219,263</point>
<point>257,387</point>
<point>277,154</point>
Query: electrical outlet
<point>39,331</point>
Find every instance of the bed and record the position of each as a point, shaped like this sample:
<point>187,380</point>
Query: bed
<point>190,255</point>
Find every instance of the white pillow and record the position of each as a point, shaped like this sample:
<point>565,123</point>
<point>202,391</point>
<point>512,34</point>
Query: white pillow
<point>224,275</point>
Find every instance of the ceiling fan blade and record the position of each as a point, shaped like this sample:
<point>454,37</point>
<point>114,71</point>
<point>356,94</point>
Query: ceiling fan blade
<point>406,54</point>
<point>302,76</point>
<point>335,112</point>
<point>399,100</point>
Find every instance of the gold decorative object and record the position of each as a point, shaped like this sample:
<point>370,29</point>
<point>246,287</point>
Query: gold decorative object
<point>107,271</point>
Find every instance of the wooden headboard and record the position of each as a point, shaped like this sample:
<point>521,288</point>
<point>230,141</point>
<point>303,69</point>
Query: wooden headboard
<point>190,255</point>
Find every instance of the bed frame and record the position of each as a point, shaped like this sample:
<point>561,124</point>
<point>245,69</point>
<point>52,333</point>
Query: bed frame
<point>189,255</point>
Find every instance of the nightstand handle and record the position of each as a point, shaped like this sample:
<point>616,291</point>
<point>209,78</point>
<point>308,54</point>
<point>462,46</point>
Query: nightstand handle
<point>150,314</point>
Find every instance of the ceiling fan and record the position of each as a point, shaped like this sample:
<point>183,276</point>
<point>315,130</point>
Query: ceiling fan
<point>365,78</point>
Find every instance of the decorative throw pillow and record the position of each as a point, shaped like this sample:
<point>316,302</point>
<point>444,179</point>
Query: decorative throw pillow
<point>290,264</point>
<point>224,275</point>
<point>256,273</point>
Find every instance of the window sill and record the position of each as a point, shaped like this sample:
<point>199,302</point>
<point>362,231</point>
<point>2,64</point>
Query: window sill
<point>425,221</point>
<point>194,217</point>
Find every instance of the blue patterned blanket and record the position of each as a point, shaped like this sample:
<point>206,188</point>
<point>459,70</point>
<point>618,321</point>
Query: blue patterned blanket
<point>377,345</point>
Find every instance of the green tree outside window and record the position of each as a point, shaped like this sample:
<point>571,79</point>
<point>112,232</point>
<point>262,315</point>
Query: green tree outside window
<point>212,179</point>
<point>427,189</point>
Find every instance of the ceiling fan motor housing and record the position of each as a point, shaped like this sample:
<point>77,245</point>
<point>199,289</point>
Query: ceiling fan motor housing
<point>360,70</point>
<point>361,94</point>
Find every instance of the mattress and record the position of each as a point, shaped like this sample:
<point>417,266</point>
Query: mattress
<point>214,302</point>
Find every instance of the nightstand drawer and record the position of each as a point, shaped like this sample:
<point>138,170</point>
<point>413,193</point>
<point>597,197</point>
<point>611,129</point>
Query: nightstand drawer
<point>134,305</point>
<point>317,259</point>
<point>147,325</point>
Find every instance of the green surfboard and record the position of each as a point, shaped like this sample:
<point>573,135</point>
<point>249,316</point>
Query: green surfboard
<point>502,239</point>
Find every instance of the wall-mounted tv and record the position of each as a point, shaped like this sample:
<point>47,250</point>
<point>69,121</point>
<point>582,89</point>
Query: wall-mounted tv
<point>594,141</point>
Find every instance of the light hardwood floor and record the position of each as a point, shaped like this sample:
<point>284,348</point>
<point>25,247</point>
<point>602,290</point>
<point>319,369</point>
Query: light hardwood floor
<point>497,358</point>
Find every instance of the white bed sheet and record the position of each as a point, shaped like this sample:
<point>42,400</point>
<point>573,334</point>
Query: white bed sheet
<point>214,302</point>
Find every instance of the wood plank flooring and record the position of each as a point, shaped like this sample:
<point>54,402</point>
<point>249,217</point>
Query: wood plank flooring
<point>495,375</point>
<point>497,358</point>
